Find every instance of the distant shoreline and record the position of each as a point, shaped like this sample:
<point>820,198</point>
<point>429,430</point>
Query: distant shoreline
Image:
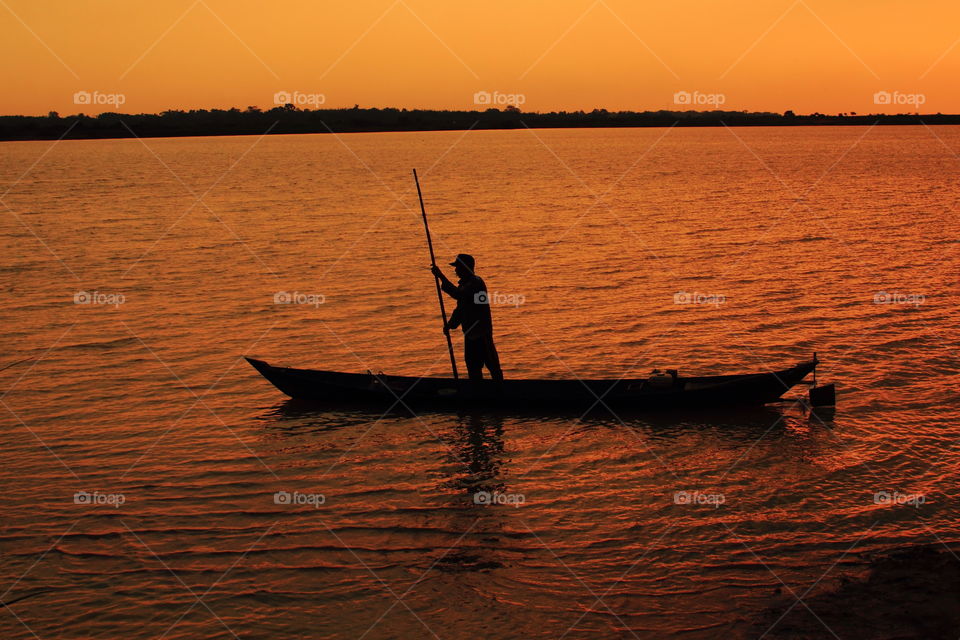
<point>290,120</point>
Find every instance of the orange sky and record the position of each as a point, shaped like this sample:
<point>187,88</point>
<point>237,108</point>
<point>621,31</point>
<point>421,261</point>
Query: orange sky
<point>806,55</point>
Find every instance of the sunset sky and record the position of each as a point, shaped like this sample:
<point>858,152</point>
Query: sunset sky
<point>758,55</point>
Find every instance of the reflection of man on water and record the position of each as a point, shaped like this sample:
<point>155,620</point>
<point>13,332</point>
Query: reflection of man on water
<point>473,315</point>
<point>477,444</point>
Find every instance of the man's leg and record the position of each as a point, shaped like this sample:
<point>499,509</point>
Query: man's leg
<point>492,359</point>
<point>473,356</point>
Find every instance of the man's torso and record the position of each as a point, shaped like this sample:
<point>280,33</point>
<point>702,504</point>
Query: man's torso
<point>474,306</point>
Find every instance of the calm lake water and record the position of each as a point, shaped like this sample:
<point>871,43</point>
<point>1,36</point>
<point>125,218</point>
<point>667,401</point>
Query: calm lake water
<point>136,275</point>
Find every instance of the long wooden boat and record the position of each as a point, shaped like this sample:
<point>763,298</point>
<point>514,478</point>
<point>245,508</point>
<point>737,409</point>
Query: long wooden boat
<point>662,391</point>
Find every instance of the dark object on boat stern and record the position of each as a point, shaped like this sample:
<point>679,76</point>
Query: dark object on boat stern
<point>823,396</point>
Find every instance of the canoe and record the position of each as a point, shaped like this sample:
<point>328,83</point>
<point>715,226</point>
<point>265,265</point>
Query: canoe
<point>663,391</point>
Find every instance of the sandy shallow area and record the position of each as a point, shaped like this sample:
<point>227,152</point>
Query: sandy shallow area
<point>907,593</point>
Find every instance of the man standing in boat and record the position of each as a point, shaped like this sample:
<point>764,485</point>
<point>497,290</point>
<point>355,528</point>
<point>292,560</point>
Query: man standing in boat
<point>473,315</point>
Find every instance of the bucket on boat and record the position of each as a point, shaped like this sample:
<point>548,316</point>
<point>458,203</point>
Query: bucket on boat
<point>659,380</point>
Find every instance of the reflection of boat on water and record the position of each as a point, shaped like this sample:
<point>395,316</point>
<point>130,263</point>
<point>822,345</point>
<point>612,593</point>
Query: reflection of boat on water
<point>473,440</point>
<point>478,446</point>
<point>663,391</point>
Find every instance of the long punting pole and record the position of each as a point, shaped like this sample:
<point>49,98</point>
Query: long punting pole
<point>433,261</point>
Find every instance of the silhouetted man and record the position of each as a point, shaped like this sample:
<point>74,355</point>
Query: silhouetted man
<point>473,315</point>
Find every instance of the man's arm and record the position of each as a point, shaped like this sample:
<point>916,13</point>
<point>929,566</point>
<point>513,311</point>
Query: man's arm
<point>454,320</point>
<point>448,287</point>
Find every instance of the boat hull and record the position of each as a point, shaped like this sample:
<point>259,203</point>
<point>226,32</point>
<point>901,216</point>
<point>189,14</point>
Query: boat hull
<point>401,392</point>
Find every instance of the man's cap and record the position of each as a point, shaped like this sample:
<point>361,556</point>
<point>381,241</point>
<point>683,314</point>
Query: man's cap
<point>465,259</point>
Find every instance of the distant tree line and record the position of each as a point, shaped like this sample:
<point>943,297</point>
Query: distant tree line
<point>290,119</point>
